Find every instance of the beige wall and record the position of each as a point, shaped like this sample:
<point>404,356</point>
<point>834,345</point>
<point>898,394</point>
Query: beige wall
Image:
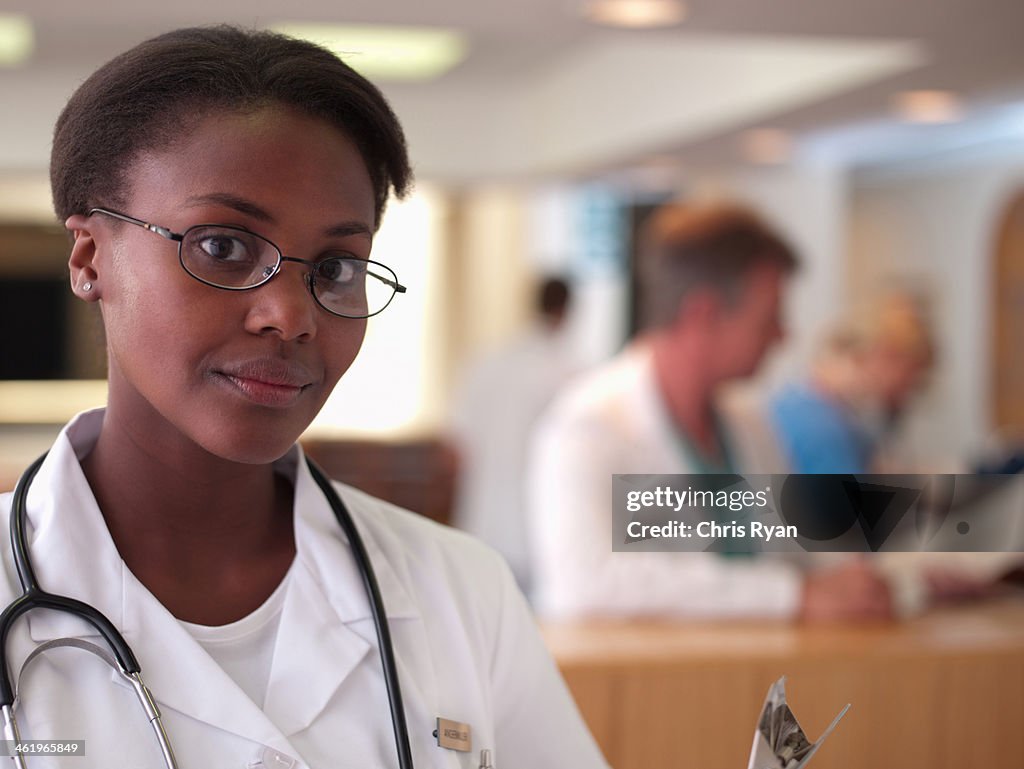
<point>936,227</point>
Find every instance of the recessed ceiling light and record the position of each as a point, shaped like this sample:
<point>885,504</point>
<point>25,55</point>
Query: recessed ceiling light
<point>16,39</point>
<point>766,146</point>
<point>386,53</point>
<point>928,106</point>
<point>636,14</point>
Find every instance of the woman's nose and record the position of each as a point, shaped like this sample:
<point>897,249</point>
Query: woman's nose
<point>284,305</point>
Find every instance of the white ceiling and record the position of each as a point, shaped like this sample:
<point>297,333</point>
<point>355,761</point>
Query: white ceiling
<point>544,93</point>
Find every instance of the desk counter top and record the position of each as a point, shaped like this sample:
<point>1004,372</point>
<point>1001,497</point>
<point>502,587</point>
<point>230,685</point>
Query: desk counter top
<point>945,689</point>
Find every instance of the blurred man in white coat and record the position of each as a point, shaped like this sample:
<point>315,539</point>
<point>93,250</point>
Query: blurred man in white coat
<point>711,279</point>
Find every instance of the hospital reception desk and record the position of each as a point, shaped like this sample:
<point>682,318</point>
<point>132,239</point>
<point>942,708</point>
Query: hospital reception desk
<point>941,691</point>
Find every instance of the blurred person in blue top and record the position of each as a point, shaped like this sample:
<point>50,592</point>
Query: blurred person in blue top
<point>845,419</point>
<point>861,383</point>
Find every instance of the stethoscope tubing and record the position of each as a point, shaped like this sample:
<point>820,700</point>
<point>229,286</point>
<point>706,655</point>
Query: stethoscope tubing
<point>380,621</point>
<point>34,597</point>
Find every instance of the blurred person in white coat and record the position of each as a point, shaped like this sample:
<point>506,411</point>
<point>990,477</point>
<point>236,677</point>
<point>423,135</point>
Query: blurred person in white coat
<point>222,188</point>
<point>492,416</point>
<point>712,278</point>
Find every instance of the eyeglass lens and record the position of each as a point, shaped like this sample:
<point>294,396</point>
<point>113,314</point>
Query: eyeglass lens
<point>233,258</point>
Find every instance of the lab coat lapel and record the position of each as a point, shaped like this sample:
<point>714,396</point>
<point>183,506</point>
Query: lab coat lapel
<point>183,677</point>
<point>69,545</point>
<point>326,627</point>
<point>315,652</point>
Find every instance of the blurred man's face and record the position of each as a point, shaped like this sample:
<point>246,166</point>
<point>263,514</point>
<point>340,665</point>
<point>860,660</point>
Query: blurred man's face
<point>751,325</point>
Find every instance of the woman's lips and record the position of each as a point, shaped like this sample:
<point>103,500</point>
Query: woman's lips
<point>264,393</point>
<point>267,382</point>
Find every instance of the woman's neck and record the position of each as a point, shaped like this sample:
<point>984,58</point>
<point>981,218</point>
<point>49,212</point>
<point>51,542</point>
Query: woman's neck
<point>208,537</point>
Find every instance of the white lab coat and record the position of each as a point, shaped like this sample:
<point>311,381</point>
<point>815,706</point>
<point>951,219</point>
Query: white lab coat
<point>493,414</point>
<point>613,421</point>
<point>466,645</point>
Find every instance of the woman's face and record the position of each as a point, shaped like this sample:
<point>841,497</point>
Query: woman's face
<point>240,373</point>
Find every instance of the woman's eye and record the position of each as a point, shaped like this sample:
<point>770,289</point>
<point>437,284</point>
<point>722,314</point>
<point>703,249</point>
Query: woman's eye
<point>223,248</point>
<point>338,270</point>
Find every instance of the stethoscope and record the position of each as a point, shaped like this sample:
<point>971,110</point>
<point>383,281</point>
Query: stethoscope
<point>123,660</point>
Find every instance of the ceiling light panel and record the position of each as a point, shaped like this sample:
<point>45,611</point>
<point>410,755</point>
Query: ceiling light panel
<point>17,39</point>
<point>386,53</point>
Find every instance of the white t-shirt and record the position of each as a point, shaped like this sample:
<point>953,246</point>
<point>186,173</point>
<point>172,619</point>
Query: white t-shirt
<point>245,648</point>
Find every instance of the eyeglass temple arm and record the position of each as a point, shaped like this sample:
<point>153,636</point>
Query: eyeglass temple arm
<point>161,231</point>
<point>398,287</point>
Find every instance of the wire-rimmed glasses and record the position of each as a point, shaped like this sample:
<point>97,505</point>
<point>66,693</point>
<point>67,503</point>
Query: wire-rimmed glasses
<point>237,259</point>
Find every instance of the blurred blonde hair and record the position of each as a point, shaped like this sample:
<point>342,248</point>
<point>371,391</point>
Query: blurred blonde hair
<point>898,322</point>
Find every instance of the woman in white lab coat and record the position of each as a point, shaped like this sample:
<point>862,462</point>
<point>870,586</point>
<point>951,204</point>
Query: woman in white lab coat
<point>183,511</point>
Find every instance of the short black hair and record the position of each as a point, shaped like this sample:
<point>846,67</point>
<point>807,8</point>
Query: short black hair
<point>147,97</point>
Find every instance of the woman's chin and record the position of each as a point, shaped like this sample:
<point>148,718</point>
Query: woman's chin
<point>258,449</point>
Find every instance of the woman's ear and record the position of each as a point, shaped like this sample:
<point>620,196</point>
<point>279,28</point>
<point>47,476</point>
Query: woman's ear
<point>85,279</point>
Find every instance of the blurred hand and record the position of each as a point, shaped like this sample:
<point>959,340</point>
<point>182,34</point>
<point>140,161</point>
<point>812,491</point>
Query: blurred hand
<point>949,585</point>
<point>850,592</point>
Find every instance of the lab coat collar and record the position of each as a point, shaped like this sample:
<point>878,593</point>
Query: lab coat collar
<point>323,548</point>
<point>318,645</point>
<point>69,545</point>
<point>654,420</point>
<point>650,412</point>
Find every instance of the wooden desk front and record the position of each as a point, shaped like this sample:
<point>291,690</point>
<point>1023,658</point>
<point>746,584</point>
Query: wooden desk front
<point>942,690</point>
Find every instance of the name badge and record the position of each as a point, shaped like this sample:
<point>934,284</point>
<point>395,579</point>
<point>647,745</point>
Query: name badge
<point>453,735</point>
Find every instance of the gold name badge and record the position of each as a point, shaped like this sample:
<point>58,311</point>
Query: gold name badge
<point>453,735</point>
